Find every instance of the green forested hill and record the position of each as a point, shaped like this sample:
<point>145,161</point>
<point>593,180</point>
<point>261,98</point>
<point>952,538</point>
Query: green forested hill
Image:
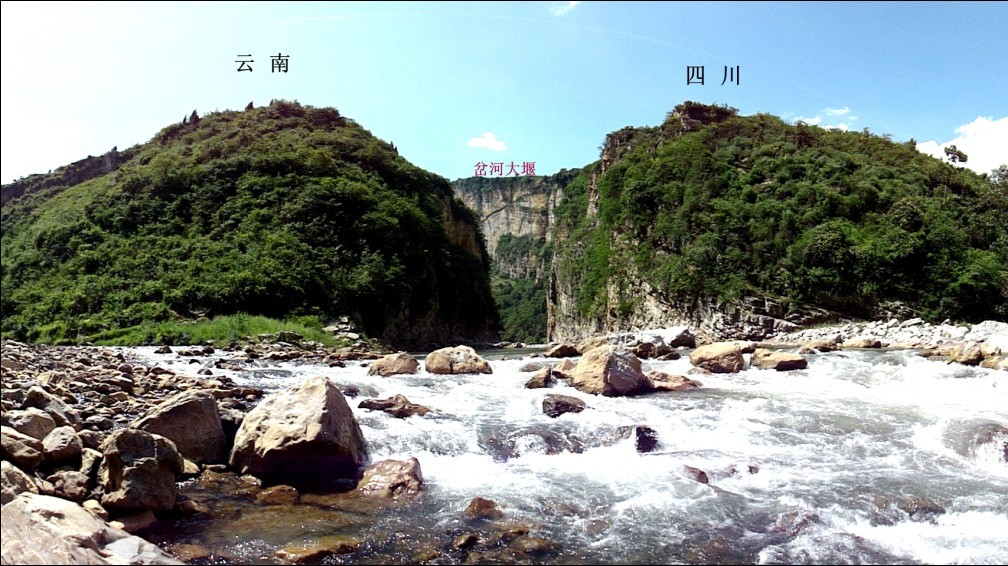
<point>282,211</point>
<point>712,204</point>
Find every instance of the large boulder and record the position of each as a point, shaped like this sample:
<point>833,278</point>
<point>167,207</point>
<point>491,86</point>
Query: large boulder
<point>304,435</point>
<point>39,529</point>
<point>610,371</point>
<point>139,470</point>
<point>719,357</point>
<point>192,421</point>
<point>395,364</point>
<point>780,361</point>
<point>456,360</point>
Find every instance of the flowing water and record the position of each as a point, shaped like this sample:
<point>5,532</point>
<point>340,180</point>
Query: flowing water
<point>865,457</point>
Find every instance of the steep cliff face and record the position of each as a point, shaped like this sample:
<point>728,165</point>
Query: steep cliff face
<point>516,216</point>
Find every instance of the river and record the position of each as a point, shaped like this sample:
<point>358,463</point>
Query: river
<point>867,456</point>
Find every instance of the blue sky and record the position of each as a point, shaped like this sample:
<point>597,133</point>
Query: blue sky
<point>547,80</point>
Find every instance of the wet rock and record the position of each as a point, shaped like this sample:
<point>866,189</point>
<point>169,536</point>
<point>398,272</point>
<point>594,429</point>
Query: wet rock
<point>190,420</point>
<point>21,449</point>
<point>792,523</point>
<point>780,361</point>
<point>695,474</point>
<point>279,495</point>
<point>921,508</point>
<point>465,540</point>
<point>306,434</point>
<point>481,508</point>
<point>531,366</point>
<point>506,442</point>
<point>555,405</point>
<point>720,357</point>
<point>672,355</point>
<point>562,351</point>
<point>139,471</point>
<point>13,482</point>
<point>36,423</point>
<point>136,522</point>
<point>39,529</point>
<point>163,350</point>
<point>533,545</point>
<point>646,439</point>
<point>316,549</point>
<point>456,360</point>
<point>541,380</point>
<point>395,364</point>
<point>392,479</point>
<point>397,406</point>
<point>661,381</point>
<point>609,371</point>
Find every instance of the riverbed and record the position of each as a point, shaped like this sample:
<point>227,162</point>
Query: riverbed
<point>867,456</point>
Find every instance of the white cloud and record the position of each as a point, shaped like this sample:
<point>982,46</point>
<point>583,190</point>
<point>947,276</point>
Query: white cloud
<point>489,141</point>
<point>842,115</point>
<point>983,141</point>
<point>561,8</point>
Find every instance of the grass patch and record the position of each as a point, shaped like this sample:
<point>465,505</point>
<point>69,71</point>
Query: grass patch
<point>220,329</point>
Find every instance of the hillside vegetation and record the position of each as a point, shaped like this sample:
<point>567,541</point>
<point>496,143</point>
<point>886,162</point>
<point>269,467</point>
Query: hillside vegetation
<point>712,204</point>
<point>281,211</point>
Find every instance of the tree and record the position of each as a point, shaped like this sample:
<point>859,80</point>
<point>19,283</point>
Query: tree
<point>955,155</point>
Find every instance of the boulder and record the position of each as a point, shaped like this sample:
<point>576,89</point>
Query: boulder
<point>814,346</point>
<point>39,529</point>
<point>679,336</point>
<point>482,508</point>
<point>138,471</point>
<point>609,371</point>
<point>20,449</point>
<point>392,478</point>
<point>303,435</point>
<point>71,484</point>
<point>457,360</point>
<point>61,413</point>
<point>719,357</point>
<point>191,420</point>
<point>661,381</point>
<point>562,351</point>
<point>863,342</point>
<point>397,406</point>
<point>967,353</point>
<point>62,445</point>
<point>395,364</point>
<point>563,369</point>
<point>555,405</point>
<point>36,423</point>
<point>541,380</point>
<point>279,495</point>
<point>14,482</point>
<point>780,361</point>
